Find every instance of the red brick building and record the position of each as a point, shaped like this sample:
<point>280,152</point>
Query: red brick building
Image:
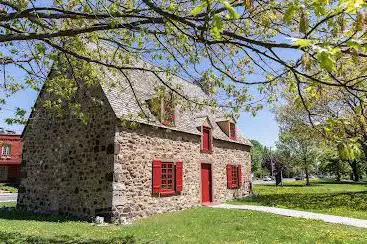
<point>10,156</point>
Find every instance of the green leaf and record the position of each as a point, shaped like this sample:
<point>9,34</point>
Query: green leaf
<point>217,26</point>
<point>354,44</point>
<point>326,58</point>
<point>352,6</point>
<point>288,15</point>
<point>232,12</point>
<point>302,43</point>
<point>198,9</point>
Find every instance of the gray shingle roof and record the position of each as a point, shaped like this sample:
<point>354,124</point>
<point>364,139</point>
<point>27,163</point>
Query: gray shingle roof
<point>144,83</point>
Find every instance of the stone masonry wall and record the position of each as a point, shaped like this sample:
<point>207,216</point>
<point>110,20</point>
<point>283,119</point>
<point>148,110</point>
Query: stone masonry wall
<point>135,150</point>
<point>67,166</point>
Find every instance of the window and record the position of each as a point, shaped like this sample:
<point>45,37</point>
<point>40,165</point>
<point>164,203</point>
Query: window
<point>206,145</point>
<point>234,176</point>
<point>6,150</point>
<point>167,177</point>
<point>163,108</point>
<point>232,131</point>
<point>168,114</point>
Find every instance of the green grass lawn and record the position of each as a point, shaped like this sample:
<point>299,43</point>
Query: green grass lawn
<point>8,187</point>
<point>324,197</point>
<point>200,225</point>
<point>7,204</point>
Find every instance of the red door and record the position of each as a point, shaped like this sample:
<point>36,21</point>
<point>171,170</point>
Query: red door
<point>206,183</point>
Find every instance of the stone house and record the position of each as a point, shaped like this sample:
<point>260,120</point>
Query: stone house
<point>173,158</point>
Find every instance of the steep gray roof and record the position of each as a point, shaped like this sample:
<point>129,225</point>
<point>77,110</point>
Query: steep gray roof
<point>124,101</point>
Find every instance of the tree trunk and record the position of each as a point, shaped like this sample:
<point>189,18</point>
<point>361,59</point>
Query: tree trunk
<point>307,177</point>
<point>353,164</point>
<point>338,171</point>
<point>338,176</point>
<point>355,172</point>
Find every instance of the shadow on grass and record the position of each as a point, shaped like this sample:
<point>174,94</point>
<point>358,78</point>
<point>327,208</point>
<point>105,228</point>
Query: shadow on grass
<point>351,200</point>
<point>345,182</point>
<point>294,185</point>
<point>316,183</point>
<point>12,213</point>
<point>19,238</point>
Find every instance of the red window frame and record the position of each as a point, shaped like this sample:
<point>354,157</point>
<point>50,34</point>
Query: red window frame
<point>234,176</point>
<point>232,131</point>
<point>206,143</point>
<point>167,177</point>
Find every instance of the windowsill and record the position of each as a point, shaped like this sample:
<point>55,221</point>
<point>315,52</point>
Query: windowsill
<point>167,192</point>
<point>206,151</point>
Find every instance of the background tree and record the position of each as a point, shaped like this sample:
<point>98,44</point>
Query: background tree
<point>301,142</point>
<point>257,156</point>
<point>339,115</point>
<point>332,164</point>
<point>302,151</point>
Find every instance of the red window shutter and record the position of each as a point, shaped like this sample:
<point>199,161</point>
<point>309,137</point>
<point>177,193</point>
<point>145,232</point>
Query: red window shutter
<point>239,172</point>
<point>179,176</point>
<point>206,139</point>
<point>229,176</point>
<point>156,177</point>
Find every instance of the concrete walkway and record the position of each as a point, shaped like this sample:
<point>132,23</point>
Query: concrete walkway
<point>299,214</point>
<point>8,197</point>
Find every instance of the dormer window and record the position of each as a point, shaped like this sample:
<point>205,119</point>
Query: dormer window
<point>163,108</point>
<point>168,113</point>
<point>228,126</point>
<point>206,139</point>
<point>232,131</point>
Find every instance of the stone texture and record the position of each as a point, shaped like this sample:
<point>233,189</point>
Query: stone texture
<point>66,163</point>
<point>132,195</point>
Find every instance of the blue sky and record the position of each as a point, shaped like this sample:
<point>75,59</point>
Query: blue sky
<point>262,127</point>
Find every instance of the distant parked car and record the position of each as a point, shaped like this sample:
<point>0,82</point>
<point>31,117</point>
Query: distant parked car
<point>267,178</point>
<point>300,178</point>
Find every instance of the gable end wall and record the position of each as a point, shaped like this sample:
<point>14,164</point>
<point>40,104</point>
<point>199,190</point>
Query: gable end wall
<point>67,166</point>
